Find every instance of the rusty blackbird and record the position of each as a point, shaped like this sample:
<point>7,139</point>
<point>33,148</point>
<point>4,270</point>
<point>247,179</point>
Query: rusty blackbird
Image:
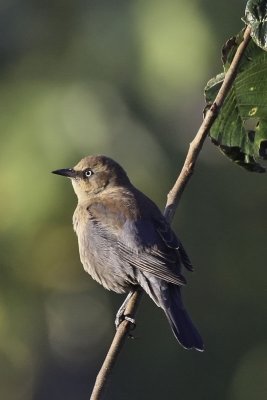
<point>125,241</point>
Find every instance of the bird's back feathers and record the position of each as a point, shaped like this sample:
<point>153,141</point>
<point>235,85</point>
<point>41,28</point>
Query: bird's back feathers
<point>135,227</point>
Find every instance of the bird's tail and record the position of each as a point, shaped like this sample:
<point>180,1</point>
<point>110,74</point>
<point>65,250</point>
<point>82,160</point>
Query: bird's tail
<point>182,326</point>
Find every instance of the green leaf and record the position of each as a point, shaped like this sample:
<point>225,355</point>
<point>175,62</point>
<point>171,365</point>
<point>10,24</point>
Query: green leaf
<point>256,18</point>
<point>240,129</point>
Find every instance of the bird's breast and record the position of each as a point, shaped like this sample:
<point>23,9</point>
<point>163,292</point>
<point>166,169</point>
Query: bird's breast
<point>99,255</point>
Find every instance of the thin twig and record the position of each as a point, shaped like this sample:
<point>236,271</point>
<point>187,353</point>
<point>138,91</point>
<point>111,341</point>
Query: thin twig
<point>116,346</point>
<point>173,199</point>
<point>196,145</point>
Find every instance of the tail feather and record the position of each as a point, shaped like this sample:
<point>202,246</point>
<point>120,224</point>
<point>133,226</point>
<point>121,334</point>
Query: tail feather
<point>182,326</point>
<point>168,297</point>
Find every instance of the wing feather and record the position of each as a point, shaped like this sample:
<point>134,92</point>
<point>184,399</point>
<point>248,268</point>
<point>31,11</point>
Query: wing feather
<point>143,243</point>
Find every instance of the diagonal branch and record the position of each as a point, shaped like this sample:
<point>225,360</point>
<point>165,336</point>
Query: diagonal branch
<point>173,199</point>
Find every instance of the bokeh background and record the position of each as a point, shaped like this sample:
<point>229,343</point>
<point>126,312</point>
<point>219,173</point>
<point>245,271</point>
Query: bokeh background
<point>122,78</point>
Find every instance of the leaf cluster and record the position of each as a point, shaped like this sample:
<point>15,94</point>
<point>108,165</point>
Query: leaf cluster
<point>240,130</point>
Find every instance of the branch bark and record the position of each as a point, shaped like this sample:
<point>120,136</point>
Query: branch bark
<point>195,146</point>
<point>116,346</point>
<point>173,199</point>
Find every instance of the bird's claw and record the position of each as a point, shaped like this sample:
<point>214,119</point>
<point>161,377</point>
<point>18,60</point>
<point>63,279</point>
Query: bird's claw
<point>122,317</point>
<point>118,320</point>
<point>132,321</point>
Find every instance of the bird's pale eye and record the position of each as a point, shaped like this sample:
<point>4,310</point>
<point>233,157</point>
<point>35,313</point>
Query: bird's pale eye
<point>87,173</point>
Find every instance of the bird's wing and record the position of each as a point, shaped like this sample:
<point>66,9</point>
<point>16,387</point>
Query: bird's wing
<point>144,243</point>
<point>172,241</point>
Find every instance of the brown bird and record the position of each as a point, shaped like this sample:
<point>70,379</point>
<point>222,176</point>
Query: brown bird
<point>125,242</point>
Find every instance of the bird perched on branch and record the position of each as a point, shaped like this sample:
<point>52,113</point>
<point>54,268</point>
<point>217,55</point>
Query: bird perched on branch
<point>125,242</point>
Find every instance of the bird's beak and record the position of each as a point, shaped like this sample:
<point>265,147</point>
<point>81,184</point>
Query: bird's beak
<point>68,172</point>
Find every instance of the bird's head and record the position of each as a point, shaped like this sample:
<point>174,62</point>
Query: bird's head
<point>93,174</point>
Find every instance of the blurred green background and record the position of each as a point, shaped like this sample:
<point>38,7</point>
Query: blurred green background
<point>125,79</point>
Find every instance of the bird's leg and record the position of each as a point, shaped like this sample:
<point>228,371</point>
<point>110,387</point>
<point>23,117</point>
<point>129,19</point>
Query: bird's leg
<point>120,314</point>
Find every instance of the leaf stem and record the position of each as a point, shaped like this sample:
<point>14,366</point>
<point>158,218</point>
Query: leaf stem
<point>173,199</point>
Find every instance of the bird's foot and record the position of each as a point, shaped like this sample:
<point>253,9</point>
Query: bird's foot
<point>120,314</point>
<point>118,320</point>
<point>121,317</point>
<point>132,321</point>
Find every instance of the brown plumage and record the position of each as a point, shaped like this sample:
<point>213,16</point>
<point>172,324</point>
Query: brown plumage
<point>124,241</point>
